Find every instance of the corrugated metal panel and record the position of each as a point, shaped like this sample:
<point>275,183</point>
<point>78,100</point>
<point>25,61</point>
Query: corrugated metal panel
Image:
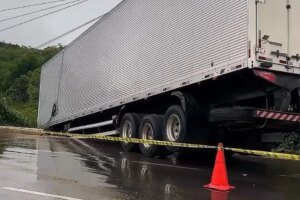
<point>49,89</point>
<point>143,45</point>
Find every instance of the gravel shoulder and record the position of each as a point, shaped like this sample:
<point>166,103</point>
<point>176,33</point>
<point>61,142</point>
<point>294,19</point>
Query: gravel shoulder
<point>20,130</point>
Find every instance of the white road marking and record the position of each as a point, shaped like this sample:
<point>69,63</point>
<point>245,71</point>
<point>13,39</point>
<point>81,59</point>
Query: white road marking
<point>290,175</point>
<point>40,193</point>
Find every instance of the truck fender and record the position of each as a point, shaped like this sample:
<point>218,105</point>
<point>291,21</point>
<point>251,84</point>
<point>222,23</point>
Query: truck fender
<point>118,118</point>
<point>182,98</point>
<point>188,101</point>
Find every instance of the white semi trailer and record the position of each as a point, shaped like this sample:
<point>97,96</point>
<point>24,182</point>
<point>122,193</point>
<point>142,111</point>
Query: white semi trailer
<point>181,71</point>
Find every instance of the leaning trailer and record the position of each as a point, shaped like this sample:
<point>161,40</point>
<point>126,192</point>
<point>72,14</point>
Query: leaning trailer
<point>160,69</point>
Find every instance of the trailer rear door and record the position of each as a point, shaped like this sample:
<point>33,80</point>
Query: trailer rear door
<point>278,34</point>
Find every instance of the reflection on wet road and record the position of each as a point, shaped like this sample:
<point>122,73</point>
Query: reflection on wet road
<point>59,168</point>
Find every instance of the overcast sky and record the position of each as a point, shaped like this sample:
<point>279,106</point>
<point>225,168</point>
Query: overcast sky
<point>46,28</point>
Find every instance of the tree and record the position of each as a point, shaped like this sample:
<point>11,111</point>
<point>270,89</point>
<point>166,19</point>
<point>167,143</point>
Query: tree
<point>18,91</point>
<point>33,86</point>
<point>20,68</point>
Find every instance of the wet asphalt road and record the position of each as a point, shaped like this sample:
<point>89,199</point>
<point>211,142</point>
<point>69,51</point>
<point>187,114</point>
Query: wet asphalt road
<point>33,167</point>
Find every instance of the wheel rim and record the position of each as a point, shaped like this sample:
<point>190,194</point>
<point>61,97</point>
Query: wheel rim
<point>127,130</point>
<point>173,128</point>
<point>147,134</point>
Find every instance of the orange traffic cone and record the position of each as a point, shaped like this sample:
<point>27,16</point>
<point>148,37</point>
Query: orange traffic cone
<point>219,179</point>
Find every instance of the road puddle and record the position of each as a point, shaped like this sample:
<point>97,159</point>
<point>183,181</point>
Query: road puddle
<point>93,169</point>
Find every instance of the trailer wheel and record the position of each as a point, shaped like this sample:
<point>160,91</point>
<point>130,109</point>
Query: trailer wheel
<point>151,129</point>
<point>175,126</point>
<point>129,129</point>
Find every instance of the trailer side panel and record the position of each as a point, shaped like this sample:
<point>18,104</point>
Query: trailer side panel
<point>142,47</point>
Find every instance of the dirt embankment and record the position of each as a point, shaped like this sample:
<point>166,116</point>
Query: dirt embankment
<point>19,130</point>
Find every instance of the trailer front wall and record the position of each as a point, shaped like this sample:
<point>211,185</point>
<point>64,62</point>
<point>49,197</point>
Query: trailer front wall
<point>50,75</point>
<point>143,45</point>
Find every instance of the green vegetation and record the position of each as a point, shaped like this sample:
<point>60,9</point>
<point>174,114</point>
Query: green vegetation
<point>290,144</point>
<point>19,82</point>
<point>11,117</point>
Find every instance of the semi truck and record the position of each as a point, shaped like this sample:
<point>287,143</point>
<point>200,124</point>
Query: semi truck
<point>190,71</point>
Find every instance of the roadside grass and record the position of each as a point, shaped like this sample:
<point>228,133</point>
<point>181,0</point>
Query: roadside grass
<point>9,116</point>
<point>27,110</point>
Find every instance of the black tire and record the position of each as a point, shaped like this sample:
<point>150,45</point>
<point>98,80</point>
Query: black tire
<point>235,117</point>
<point>154,124</point>
<point>177,112</point>
<point>134,120</point>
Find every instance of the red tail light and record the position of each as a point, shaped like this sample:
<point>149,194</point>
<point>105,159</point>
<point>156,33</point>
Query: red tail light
<point>269,76</point>
<point>283,61</point>
<point>262,58</point>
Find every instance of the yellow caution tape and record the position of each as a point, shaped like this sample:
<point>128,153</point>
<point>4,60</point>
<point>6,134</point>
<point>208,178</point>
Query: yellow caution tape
<point>283,156</point>
<point>133,140</point>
